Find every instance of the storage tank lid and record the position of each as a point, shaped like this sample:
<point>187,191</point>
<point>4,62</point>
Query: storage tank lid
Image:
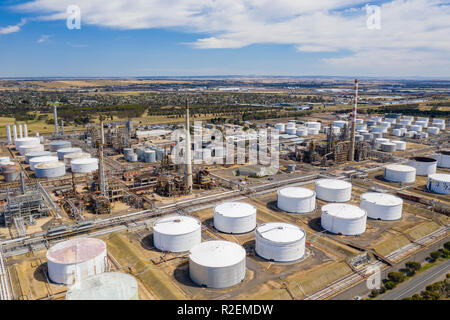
<point>44,159</point>
<point>280,232</point>
<point>76,250</point>
<point>400,167</point>
<point>56,142</point>
<point>104,286</point>
<point>176,225</point>
<point>334,184</point>
<point>70,150</point>
<point>217,253</point>
<point>343,210</point>
<point>75,155</point>
<point>37,153</point>
<point>381,199</point>
<point>295,192</point>
<point>49,165</point>
<point>443,177</point>
<point>27,139</point>
<point>235,209</point>
<point>84,161</point>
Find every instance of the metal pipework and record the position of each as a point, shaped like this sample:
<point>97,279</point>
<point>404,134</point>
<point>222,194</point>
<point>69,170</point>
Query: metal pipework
<point>351,156</point>
<point>55,114</point>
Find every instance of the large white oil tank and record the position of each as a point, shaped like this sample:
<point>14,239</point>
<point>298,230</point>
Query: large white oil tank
<point>424,165</point>
<point>443,158</point>
<point>235,217</point>
<point>313,131</point>
<point>32,155</point>
<point>397,132</point>
<point>43,159</point>
<point>63,151</point>
<point>50,170</point>
<point>26,142</point>
<point>176,233</point>
<point>279,241</point>
<point>77,155</point>
<point>280,127</point>
<point>84,165</point>
<point>59,144</point>
<point>105,286</point>
<point>217,264</point>
<point>296,199</point>
<point>340,123</point>
<point>291,130</point>
<point>23,150</point>
<point>439,183</point>
<point>76,259</point>
<point>302,131</point>
<point>382,206</point>
<point>416,128</point>
<point>343,218</point>
<point>399,145</point>
<point>400,173</point>
<point>388,147</point>
<point>433,130</point>
<point>333,190</point>
<point>313,124</point>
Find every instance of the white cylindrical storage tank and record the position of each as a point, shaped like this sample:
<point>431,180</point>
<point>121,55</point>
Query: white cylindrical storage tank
<point>149,155</point>
<point>396,132</point>
<point>385,124</point>
<point>416,128</point>
<point>378,129</point>
<point>359,121</point>
<point>84,165</point>
<point>400,173</point>
<point>63,151</point>
<point>399,145</point>
<point>359,137</point>
<point>26,142</point>
<point>313,124</point>
<point>30,148</point>
<point>367,136</point>
<point>339,123</point>
<point>217,264</point>
<point>433,130</point>
<point>76,259</point>
<point>280,127</point>
<point>336,130</point>
<point>439,183</point>
<point>296,200</point>
<point>405,122</point>
<point>68,158</point>
<point>105,286</point>
<point>377,119</point>
<point>424,165</point>
<point>377,135</point>
<point>388,147</point>
<point>127,151</point>
<point>291,130</point>
<point>391,120</point>
<point>313,131</point>
<point>50,170</point>
<point>59,144</point>
<point>302,131</point>
<point>342,218</point>
<point>44,159</point>
<point>32,155</point>
<point>177,233</point>
<point>423,124</point>
<point>443,158</point>
<point>382,206</point>
<point>290,125</point>
<point>333,190</point>
<point>361,127</point>
<point>379,141</point>
<point>235,217</point>
<point>279,241</point>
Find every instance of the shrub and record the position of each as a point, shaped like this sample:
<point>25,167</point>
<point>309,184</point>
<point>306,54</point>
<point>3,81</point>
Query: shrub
<point>435,255</point>
<point>430,295</point>
<point>413,266</point>
<point>396,277</point>
<point>447,245</point>
<point>390,285</point>
<point>374,293</point>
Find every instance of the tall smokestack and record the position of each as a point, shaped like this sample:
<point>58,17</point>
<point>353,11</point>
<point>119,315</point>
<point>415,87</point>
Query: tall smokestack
<point>15,132</point>
<point>20,131</point>
<point>187,160</point>
<point>101,168</point>
<point>8,133</point>
<point>62,126</point>
<point>25,130</point>
<point>351,156</point>
<point>55,115</point>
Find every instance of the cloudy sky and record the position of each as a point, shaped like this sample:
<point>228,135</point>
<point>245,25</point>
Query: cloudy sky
<point>402,38</point>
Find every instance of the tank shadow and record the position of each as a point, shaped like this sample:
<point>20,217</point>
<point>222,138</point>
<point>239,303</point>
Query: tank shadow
<point>181,274</point>
<point>41,273</point>
<point>147,242</point>
<point>315,224</point>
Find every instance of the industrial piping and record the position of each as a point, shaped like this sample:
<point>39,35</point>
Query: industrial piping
<point>188,165</point>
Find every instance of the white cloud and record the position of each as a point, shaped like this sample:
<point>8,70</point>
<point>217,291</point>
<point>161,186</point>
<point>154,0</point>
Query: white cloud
<point>44,38</point>
<point>410,29</point>
<point>13,28</point>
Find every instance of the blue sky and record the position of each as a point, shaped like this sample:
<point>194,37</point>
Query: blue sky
<point>227,37</point>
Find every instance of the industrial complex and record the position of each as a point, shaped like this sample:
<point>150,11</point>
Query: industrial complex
<point>107,213</point>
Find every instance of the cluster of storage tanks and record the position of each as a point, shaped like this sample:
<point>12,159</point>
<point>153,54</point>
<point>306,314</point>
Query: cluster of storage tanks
<point>82,264</point>
<point>144,154</point>
<point>308,128</point>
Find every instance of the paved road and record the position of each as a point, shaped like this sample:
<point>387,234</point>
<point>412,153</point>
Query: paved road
<point>360,289</point>
<point>417,283</point>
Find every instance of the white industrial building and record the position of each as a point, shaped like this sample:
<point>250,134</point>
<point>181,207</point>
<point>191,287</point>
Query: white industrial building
<point>296,200</point>
<point>343,218</point>
<point>217,264</point>
<point>235,217</point>
<point>382,206</point>
<point>177,233</point>
<point>76,259</point>
<point>279,241</point>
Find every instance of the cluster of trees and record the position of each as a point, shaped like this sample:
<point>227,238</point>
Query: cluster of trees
<point>435,291</point>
